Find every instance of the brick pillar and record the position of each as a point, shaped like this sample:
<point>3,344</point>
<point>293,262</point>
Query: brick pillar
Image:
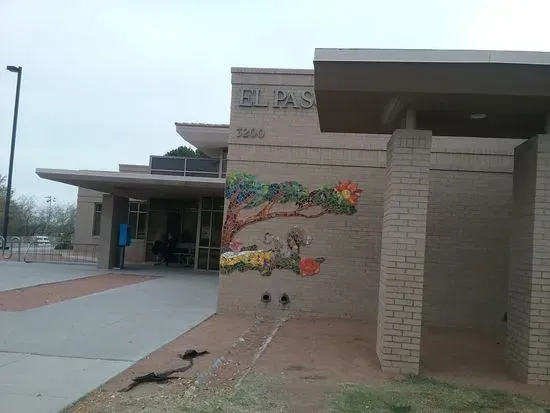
<point>403,251</point>
<point>528,341</point>
<point>114,212</point>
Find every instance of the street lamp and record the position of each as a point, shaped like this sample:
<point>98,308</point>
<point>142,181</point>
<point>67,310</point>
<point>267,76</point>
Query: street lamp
<point>49,200</point>
<point>19,71</point>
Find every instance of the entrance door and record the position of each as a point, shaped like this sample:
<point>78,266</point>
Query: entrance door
<point>210,234</point>
<point>156,226</point>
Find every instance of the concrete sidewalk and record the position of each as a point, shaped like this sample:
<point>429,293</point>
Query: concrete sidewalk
<point>14,274</point>
<point>53,355</point>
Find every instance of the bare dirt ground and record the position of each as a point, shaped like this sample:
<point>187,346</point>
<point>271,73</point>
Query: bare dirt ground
<point>216,335</point>
<point>313,356</point>
<point>40,295</point>
<point>296,365</point>
<point>473,358</point>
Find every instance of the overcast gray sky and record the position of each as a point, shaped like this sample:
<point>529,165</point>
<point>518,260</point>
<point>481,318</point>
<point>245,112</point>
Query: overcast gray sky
<point>104,81</point>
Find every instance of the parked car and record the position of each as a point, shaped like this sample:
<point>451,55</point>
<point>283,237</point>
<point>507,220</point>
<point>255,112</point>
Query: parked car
<point>64,245</point>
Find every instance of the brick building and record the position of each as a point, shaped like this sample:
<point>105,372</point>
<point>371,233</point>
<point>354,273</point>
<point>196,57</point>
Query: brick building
<point>404,188</point>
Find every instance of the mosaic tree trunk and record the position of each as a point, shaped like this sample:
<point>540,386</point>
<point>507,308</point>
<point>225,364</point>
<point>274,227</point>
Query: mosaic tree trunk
<point>233,224</point>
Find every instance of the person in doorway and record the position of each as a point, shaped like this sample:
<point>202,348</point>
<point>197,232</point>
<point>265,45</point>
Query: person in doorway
<point>159,249</point>
<point>169,245</point>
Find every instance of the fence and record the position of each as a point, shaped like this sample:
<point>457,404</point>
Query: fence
<point>197,167</point>
<point>63,252</point>
<point>8,248</point>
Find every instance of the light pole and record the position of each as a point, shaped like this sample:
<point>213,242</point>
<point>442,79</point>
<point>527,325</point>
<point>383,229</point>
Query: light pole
<point>19,71</point>
<point>49,200</point>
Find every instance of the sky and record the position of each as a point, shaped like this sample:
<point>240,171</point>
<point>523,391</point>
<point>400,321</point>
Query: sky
<point>104,81</point>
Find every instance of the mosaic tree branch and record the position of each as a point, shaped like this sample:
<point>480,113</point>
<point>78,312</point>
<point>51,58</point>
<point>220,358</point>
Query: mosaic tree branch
<point>245,191</point>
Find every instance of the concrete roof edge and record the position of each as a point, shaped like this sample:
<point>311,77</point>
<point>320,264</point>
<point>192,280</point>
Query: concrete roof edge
<point>270,71</point>
<point>123,175</point>
<point>432,56</point>
<point>203,125</point>
<point>138,165</point>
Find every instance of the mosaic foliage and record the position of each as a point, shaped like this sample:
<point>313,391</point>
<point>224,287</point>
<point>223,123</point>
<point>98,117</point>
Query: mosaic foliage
<point>258,200</point>
<point>246,192</point>
<point>281,255</point>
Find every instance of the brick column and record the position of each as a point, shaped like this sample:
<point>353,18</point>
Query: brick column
<point>528,341</point>
<point>403,251</point>
<point>114,212</point>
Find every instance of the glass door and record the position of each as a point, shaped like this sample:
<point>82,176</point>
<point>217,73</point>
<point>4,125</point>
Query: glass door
<point>156,226</point>
<point>210,234</point>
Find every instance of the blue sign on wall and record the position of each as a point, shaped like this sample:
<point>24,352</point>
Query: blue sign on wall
<point>124,235</point>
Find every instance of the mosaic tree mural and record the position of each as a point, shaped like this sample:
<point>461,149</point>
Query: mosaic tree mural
<point>251,201</point>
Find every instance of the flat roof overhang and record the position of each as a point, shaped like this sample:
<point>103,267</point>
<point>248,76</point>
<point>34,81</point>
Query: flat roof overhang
<point>370,90</point>
<point>209,138</point>
<point>137,185</point>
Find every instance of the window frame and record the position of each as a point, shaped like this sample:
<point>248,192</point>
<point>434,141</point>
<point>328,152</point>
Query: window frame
<point>140,209</point>
<point>96,219</point>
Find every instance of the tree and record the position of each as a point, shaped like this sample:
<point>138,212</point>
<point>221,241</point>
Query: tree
<point>25,217</point>
<point>245,192</point>
<point>3,193</point>
<point>63,221</point>
<point>185,152</point>
<point>28,218</point>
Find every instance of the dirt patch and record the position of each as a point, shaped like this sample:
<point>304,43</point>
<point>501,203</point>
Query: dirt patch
<point>22,299</point>
<point>345,351</point>
<point>471,357</point>
<point>217,334</point>
<point>307,367</point>
<point>240,359</point>
<point>339,350</point>
<point>313,358</point>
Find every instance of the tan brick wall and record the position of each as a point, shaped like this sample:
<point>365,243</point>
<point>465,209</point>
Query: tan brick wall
<point>85,216</point>
<point>465,282</point>
<point>528,344</point>
<point>84,223</point>
<point>470,195</point>
<point>349,243</point>
<point>406,190</point>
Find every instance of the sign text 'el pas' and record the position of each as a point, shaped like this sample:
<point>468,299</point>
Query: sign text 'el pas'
<point>280,98</point>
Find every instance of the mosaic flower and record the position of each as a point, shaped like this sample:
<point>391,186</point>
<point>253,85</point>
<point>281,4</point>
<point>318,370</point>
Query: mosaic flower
<point>279,256</point>
<point>348,191</point>
<point>309,267</point>
<point>244,260</point>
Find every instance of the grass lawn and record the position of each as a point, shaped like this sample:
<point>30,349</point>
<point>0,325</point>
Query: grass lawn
<point>426,395</point>
<point>275,394</point>
<point>405,396</point>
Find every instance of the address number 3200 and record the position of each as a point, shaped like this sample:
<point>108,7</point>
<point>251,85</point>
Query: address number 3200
<point>250,133</point>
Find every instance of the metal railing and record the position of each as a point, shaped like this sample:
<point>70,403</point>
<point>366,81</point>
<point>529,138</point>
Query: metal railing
<point>62,252</point>
<point>193,167</point>
<point>7,253</point>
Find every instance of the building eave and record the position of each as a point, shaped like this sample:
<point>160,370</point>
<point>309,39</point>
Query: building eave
<point>370,90</point>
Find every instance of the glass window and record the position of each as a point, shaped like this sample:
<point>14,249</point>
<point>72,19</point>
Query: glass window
<point>207,204</point>
<point>216,230</point>
<point>141,226</point>
<point>202,264</point>
<point>205,229</point>
<point>96,225</point>
<point>214,260</point>
<point>218,204</point>
<point>137,219</point>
